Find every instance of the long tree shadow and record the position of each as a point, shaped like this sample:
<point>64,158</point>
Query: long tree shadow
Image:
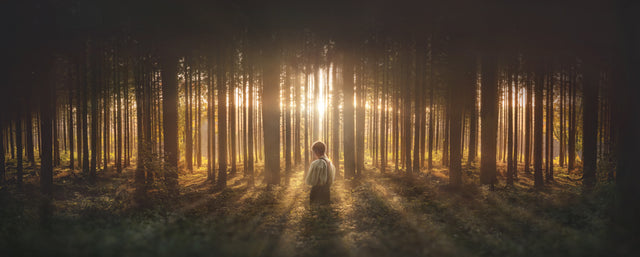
<point>320,232</point>
<point>512,221</point>
<point>383,228</point>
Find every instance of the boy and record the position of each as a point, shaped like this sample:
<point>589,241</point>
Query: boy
<point>320,175</point>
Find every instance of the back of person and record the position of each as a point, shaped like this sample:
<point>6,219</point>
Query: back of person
<point>320,176</point>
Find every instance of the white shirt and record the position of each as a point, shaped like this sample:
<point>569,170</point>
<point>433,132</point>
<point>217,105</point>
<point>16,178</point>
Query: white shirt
<point>320,172</point>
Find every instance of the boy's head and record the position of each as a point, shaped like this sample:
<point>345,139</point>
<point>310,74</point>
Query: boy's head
<point>318,148</point>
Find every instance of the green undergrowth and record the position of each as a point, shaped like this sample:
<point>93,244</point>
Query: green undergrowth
<point>392,214</point>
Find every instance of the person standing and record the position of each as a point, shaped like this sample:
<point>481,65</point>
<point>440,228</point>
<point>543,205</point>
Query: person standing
<point>320,176</point>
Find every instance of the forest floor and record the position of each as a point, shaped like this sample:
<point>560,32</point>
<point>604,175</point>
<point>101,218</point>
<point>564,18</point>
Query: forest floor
<point>391,214</point>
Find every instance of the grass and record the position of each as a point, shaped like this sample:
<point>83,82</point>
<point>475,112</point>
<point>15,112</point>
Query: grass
<point>390,214</point>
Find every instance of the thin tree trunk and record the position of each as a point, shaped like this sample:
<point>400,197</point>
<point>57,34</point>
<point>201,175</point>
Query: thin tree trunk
<point>187,117</point>
<point>473,120</point>
<point>19,154</point>
<point>510,129</point>
<point>222,126</point>
<point>550,128</point>
<point>537,130</point>
<point>360,121</point>
<point>527,129</point>
<point>232,116</point>
<point>590,124</point>
<point>250,131</point>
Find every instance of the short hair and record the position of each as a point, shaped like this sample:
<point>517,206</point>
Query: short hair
<point>318,148</point>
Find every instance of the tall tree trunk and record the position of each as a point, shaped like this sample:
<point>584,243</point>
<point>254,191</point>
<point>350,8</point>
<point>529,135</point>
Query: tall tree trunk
<point>106,135</point>
<point>188,129</point>
<point>431,108</point>
<point>19,154</point>
<point>287,120</point>
<point>232,116</point>
<point>250,125</point>
<point>29,137</point>
<point>222,125</point>
<point>396,120</point>
<point>510,129</point>
<point>516,125</point>
<point>360,121</point>
<point>384,116</point>
<point>572,123</point>
<point>94,111</point>
<point>418,110</point>
<point>473,118</point>
<point>3,170</point>
<point>271,113</point>
<point>489,120</point>
<point>307,124</point>
<point>562,119</point>
<point>590,124</point>
<point>139,177</point>
<point>459,73</point>
<point>70,122</point>
<point>527,130</point>
<point>550,128</point>
<point>118,123</point>
<point>537,130</point>
<point>170,122</point>
<point>46,118</point>
<point>348,115</point>
<point>197,115</point>
<point>335,123</point>
<point>211,118</point>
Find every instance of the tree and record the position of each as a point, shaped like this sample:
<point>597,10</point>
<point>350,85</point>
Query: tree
<point>170,121</point>
<point>271,112</point>
<point>28,122</point>
<point>489,120</point>
<point>19,154</point>
<point>572,122</point>
<point>527,127</point>
<point>549,128</point>
<point>46,159</point>
<point>360,119</point>
<point>537,129</point>
<point>590,123</point>
<point>250,118</point>
<point>348,132</point>
<point>3,170</point>
<point>188,129</point>
<point>510,129</point>
<point>473,119</point>
<point>222,124</point>
<point>459,74</point>
<point>335,122</point>
<point>95,82</point>
<point>70,119</point>
<point>418,109</point>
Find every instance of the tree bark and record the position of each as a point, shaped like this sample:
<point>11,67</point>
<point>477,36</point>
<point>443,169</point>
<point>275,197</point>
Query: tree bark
<point>222,125</point>
<point>271,113</point>
<point>489,120</point>
<point>170,122</point>
<point>537,129</point>
<point>590,124</point>
<point>348,130</point>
